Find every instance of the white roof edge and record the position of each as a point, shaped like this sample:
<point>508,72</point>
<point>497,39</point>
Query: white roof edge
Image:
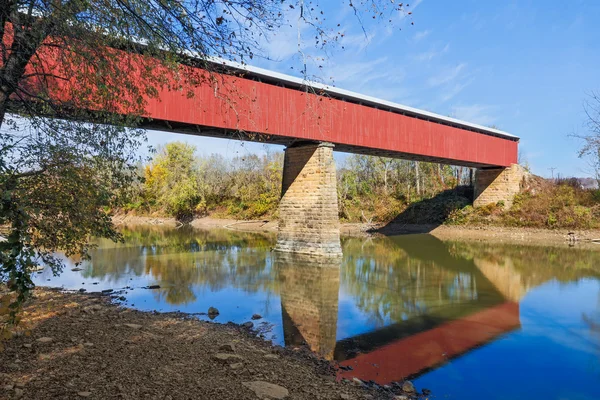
<point>357,96</point>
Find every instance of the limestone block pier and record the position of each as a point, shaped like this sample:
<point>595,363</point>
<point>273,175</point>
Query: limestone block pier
<point>308,211</point>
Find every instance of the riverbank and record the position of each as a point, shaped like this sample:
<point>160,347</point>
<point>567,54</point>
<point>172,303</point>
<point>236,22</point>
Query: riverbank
<point>83,346</point>
<point>534,236</point>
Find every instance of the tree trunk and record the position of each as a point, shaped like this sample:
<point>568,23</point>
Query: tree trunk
<point>417,180</point>
<point>3,101</point>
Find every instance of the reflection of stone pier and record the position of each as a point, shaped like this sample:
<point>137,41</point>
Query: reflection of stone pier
<point>309,300</point>
<point>502,274</point>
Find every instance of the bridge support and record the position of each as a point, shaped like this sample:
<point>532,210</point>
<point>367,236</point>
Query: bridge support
<point>496,185</point>
<point>308,211</point>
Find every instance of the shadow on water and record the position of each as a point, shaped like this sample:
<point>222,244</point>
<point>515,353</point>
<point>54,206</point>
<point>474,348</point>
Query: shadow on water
<point>391,308</point>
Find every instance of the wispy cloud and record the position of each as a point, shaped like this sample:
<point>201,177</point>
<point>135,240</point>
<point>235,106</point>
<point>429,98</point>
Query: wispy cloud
<point>355,72</point>
<point>476,113</point>
<point>454,90</point>
<point>421,35</point>
<point>446,76</point>
<point>430,55</point>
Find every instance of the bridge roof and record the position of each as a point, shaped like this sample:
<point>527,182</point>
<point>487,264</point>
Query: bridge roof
<point>289,81</point>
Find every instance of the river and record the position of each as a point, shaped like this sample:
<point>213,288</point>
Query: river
<point>467,320</point>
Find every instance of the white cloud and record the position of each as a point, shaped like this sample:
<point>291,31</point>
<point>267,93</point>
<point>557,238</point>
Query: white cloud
<point>476,113</point>
<point>446,76</point>
<point>353,72</point>
<point>454,90</point>
<point>421,35</point>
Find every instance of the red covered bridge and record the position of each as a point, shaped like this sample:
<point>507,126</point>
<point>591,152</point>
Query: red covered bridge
<point>288,109</point>
<point>313,119</point>
<point>248,103</point>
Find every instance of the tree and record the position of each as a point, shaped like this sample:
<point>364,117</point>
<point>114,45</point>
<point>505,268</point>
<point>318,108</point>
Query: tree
<point>172,181</point>
<point>62,71</point>
<point>590,148</point>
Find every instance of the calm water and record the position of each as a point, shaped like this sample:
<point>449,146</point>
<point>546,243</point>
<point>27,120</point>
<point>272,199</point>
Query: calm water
<point>466,320</point>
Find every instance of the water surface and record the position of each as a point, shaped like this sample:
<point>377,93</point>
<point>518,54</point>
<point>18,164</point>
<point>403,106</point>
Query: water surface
<point>466,320</point>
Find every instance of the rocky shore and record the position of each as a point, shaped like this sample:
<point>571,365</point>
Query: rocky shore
<point>78,345</point>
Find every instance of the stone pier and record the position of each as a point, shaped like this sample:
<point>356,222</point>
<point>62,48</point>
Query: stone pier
<point>308,211</point>
<point>496,185</point>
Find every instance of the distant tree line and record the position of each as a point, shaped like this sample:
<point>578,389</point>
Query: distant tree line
<point>177,182</point>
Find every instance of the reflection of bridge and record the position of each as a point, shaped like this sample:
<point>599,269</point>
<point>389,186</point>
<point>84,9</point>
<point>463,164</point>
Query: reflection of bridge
<point>427,338</point>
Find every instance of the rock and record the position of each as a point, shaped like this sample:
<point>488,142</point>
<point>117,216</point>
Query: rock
<point>229,347</point>
<point>357,382</point>
<point>345,396</point>
<point>212,312</point>
<point>27,345</point>
<point>107,291</point>
<point>408,387</point>
<point>401,397</point>
<point>76,269</point>
<point>88,344</point>
<point>18,393</point>
<point>82,290</point>
<point>271,356</point>
<point>91,309</point>
<point>84,394</point>
<point>158,287</point>
<point>267,390</point>
<point>45,340</point>
<point>8,387</point>
<point>226,357</point>
<point>256,316</point>
<point>20,385</point>
<point>235,366</point>
<point>133,326</point>
<point>122,298</point>
<point>248,325</point>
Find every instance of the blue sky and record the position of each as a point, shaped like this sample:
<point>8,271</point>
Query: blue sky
<point>523,66</point>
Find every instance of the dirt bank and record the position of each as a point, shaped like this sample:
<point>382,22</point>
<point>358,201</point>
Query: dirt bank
<point>444,232</point>
<point>82,346</point>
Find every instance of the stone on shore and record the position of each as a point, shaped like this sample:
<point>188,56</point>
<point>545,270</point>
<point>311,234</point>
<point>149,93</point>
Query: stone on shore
<point>212,312</point>
<point>408,387</point>
<point>267,390</point>
<point>227,357</point>
<point>133,326</point>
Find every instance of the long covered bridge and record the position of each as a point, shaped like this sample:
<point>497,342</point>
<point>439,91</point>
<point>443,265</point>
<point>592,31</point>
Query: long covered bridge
<point>312,120</point>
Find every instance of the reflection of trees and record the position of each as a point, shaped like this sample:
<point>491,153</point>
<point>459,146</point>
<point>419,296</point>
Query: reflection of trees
<point>392,285</point>
<point>389,279</point>
<point>593,322</point>
<point>181,260</point>
<point>529,266</point>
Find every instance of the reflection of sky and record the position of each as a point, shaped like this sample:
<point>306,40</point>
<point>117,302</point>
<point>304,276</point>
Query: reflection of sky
<point>553,356</point>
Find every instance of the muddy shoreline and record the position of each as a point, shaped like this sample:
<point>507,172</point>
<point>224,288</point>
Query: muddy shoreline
<point>497,234</point>
<point>75,345</point>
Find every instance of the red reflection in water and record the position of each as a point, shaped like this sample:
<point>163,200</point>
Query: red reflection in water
<point>412,355</point>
